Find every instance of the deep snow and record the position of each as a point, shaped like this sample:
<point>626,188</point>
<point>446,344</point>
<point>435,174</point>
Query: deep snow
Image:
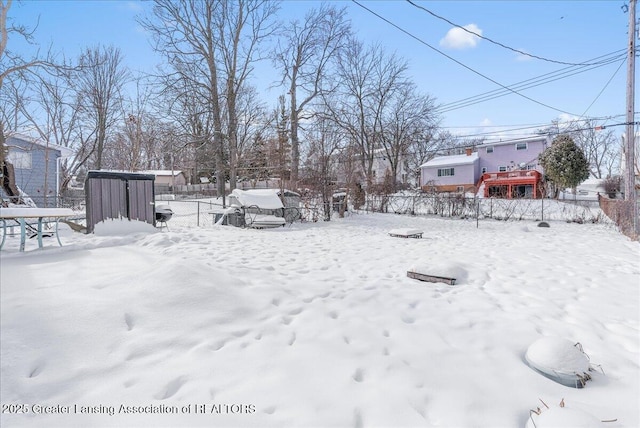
<point>316,324</point>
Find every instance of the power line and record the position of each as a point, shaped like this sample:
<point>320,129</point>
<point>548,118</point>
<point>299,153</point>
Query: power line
<point>528,125</point>
<point>493,41</point>
<point>529,83</point>
<point>460,63</point>
<point>605,87</point>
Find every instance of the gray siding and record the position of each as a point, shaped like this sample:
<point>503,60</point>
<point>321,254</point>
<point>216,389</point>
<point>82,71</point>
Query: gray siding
<point>39,180</point>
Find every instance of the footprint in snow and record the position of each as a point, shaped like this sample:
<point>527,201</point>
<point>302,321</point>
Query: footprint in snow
<point>171,389</point>
<point>407,319</point>
<point>218,345</point>
<point>128,319</point>
<point>292,340</point>
<point>36,369</point>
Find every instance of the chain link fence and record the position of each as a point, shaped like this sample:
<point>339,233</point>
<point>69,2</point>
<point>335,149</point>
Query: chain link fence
<point>621,212</point>
<point>201,212</point>
<point>452,205</point>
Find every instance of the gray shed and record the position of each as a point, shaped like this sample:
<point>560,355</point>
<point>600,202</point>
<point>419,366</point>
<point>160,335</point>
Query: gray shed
<point>115,195</point>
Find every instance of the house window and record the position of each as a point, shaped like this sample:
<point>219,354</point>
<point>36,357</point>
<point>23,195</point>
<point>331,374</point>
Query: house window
<point>521,146</point>
<point>460,189</point>
<point>445,172</point>
<point>20,159</point>
<point>502,168</point>
<point>489,149</point>
<point>530,167</point>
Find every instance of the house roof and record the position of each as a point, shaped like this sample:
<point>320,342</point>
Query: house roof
<point>162,172</point>
<point>451,160</point>
<point>64,151</point>
<point>514,141</point>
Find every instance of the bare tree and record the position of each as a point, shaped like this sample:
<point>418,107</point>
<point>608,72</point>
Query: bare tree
<point>304,57</point>
<point>407,115</point>
<point>321,165</point>
<point>186,34</point>
<point>370,79</point>
<point>252,129</point>
<point>17,68</point>
<point>99,84</point>
<point>212,46</point>
<point>242,26</point>
<point>426,145</point>
<point>183,101</point>
<point>599,144</point>
<point>600,147</point>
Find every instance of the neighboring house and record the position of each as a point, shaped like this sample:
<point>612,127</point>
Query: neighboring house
<point>167,177</point>
<point>379,169</point>
<point>36,168</point>
<point>455,173</point>
<point>502,169</point>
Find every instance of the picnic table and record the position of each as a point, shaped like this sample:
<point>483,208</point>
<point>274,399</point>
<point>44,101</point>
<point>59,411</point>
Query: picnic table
<point>21,215</point>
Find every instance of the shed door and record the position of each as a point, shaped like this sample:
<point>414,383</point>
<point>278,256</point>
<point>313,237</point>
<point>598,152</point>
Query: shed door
<point>106,199</point>
<point>141,201</point>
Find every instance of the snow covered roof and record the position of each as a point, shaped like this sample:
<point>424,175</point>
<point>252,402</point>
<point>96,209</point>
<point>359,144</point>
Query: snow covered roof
<point>65,152</point>
<point>161,172</point>
<point>451,160</point>
<point>513,141</point>
<point>263,198</point>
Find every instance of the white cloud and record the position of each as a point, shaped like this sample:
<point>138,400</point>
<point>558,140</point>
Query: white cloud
<point>457,38</point>
<point>566,118</point>
<point>135,6</point>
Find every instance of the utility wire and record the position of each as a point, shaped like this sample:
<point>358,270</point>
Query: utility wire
<point>605,87</point>
<point>529,125</point>
<point>493,41</point>
<point>460,63</point>
<point>529,83</point>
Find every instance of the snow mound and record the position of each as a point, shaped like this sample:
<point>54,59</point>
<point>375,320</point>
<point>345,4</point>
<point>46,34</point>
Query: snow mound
<point>442,269</point>
<point>559,359</point>
<point>405,232</point>
<point>119,227</point>
<point>563,417</point>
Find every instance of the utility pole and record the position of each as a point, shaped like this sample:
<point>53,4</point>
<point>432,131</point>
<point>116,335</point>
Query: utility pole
<point>630,178</point>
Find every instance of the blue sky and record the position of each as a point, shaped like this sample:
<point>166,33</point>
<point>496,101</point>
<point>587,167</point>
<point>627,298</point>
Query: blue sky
<point>447,63</point>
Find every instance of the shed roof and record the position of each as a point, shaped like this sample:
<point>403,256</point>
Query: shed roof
<point>119,175</point>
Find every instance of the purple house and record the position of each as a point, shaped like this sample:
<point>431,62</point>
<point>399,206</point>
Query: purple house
<point>504,163</point>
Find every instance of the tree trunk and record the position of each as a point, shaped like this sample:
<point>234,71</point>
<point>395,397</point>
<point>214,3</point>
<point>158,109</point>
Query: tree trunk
<point>295,143</point>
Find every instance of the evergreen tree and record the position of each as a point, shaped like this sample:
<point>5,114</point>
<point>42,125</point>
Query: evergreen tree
<point>564,163</point>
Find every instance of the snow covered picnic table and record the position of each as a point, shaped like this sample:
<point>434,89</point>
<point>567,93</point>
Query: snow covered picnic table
<point>22,214</point>
<point>406,233</point>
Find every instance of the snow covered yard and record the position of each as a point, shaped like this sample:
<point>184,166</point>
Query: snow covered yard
<point>316,325</point>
